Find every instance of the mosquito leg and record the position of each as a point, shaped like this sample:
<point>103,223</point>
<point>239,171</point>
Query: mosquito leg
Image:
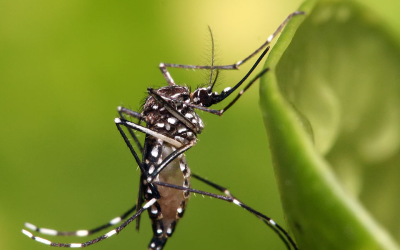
<point>168,160</point>
<point>121,111</point>
<point>118,123</point>
<point>236,65</point>
<point>80,233</point>
<point>228,193</point>
<point>272,224</point>
<point>152,173</point>
<point>243,90</point>
<point>166,74</point>
<point>270,38</point>
<point>94,241</point>
<point>139,201</point>
<point>128,143</point>
<point>214,185</point>
<point>142,129</point>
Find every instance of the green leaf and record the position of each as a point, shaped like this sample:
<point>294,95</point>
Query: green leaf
<point>331,109</point>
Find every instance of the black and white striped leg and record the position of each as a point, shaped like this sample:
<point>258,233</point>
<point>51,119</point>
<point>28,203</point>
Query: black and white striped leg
<point>228,193</point>
<point>166,74</point>
<point>118,123</point>
<point>214,185</point>
<point>94,241</point>
<point>231,66</point>
<point>81,233</point>
<point>131,113</point>
<point>268,220</point>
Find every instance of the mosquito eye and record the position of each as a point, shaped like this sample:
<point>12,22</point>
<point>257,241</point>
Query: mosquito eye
<point>202,97</point>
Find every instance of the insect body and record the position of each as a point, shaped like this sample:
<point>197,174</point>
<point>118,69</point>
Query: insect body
<point>172,126</point>
<point>171,203</point>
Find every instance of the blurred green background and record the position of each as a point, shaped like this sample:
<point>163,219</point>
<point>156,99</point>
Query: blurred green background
<point>64,68</point>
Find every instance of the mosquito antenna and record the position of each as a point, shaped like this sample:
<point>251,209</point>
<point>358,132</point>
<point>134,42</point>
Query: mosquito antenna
<point>211,84</point>
<point>215,79</point>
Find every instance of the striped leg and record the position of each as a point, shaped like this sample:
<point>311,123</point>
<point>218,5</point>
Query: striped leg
<point>271,223</point>
<point>80,233</point>
<point>163,66</point>
<point>131,113</point>
<point>94,241</point>
<point>226,192</point>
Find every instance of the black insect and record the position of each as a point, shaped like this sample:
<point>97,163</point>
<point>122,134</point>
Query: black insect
<point>172,126</point>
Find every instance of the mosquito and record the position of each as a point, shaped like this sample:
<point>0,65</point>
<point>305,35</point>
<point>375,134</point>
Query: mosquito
<point>172,126</point>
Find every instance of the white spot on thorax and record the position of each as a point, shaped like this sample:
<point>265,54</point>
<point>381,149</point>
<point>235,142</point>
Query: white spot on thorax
<point>180,139</point>
<point>181,130</point>
<point>172,120</point>
<point>189,115</point>
<point>201,123</point>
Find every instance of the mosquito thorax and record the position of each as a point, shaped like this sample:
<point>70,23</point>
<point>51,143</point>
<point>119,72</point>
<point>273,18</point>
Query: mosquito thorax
<point>159,119</point>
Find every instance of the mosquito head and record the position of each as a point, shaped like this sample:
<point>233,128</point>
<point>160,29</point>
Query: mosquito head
<point>206,98</point>
<point>202,97</point>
